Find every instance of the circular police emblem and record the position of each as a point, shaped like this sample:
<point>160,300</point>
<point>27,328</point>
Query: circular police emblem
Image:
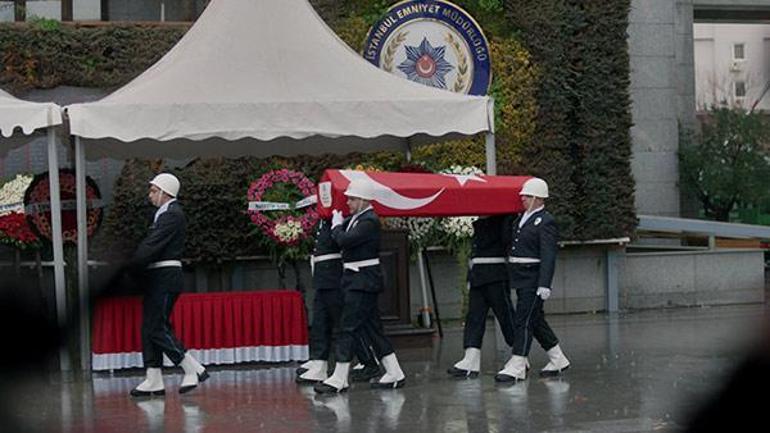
<point>432,42</point>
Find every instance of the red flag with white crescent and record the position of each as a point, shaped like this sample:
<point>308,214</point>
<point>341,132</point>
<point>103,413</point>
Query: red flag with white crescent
<point>424,195</point>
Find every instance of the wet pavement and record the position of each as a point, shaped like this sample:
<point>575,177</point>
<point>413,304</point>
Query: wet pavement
<point>635,372</point>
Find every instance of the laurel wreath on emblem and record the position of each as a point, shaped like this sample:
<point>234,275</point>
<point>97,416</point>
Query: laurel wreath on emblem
<point>391,49</point>
<point>462,64</point>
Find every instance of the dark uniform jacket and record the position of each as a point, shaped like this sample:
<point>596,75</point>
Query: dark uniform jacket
<point>538,238</point>
<point>491,237</point>
<point>165,241</point>
<point>360,242</point>
<point>326,274</point>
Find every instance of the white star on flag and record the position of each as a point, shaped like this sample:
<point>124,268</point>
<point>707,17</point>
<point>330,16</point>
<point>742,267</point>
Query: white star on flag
<point>462,179</point>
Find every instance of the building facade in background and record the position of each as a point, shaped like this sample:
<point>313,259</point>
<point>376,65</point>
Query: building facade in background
<point>732,65</point>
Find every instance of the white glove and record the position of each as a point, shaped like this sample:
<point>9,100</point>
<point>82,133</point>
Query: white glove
<point>336,218</point>
<point>544,293</point>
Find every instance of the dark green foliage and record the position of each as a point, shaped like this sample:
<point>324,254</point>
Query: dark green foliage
<point>582,144</point>
<point>726,165</point>
<point>106,56</point>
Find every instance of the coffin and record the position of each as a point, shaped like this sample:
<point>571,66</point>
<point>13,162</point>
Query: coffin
<point>424,195</point>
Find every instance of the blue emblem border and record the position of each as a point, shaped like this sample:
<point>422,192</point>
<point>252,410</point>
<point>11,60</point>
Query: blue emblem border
<point>482,76</point>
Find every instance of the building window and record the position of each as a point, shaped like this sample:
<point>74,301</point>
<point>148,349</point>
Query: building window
<point>739,89</point>
<point>739,51</point>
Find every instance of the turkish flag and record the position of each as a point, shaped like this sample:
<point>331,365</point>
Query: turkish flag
<point>424,195</point>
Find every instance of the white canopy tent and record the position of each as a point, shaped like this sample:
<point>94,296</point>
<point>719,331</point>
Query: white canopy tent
<point>266,77</point>
<point>29,117</point>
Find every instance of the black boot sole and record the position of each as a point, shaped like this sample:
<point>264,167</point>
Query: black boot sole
<point>461,374</point>
<point>504,378</point>
<point>137,393</point>
<point>322,388</point>
<point>553,373</point>
<point>303,381</point>
<point>391,385</point>
<point>202,377</point>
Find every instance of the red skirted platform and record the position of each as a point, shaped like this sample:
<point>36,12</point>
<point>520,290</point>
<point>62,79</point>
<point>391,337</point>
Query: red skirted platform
<point>217,328</point>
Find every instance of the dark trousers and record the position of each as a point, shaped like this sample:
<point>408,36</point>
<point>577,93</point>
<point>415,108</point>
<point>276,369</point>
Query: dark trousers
<point>361,322</point>
<point>496,296</point>
<point>530,322</point>
<point>327,312</point>
<point>157,334</point>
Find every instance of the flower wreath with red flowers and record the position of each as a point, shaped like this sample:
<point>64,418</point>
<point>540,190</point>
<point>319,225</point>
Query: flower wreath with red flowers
<point>281,204</point>
<point>37,202</point>
<point>14,230</point>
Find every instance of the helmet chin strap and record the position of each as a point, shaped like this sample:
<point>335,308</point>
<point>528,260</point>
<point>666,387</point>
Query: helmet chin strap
<point>531,204</point>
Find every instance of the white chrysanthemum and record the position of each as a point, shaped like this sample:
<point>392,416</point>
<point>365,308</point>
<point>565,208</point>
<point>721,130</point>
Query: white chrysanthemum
<point>417,228</point>
<point>288,231</point>
<point>12,194</point>
<point>459,227</point>
<point>459,169</point>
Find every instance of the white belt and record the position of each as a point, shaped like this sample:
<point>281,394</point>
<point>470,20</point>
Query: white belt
<point>322,258</point>
<point>355,266</point>
<point>165,264</point>
<point>523,260</point>
<point>487,261</point>
<point>325,257</point>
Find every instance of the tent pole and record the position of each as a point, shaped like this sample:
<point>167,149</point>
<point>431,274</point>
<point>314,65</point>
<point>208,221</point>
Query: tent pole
<point>85,315</point>
<point>60,287</point>
<point>491,154</point>
<point>425,310</point>
<point>408,149</point>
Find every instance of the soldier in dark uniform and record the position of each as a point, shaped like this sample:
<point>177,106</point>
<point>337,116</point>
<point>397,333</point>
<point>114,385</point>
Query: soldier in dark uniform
<point>488,281</point>
<point>359,238</point>
<point>326,267</point>
<point>531,262</point>
<point>158,258</point>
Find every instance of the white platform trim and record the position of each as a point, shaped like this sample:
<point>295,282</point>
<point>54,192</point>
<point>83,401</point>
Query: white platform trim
<point>115,361</point>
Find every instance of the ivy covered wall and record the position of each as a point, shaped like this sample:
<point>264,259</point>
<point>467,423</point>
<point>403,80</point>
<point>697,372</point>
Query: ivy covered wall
<point>560,81</point>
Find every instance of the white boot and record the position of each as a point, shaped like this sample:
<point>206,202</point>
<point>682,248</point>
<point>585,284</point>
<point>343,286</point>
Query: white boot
<point>152,385</point>
<point>194,373</point>
<point>315,373</point>
<point>305,366</point>
<point>469,366</point>
<point>394,377</point>
<point>515,369</point>
<point>338,382</point>
<point>556,364</point>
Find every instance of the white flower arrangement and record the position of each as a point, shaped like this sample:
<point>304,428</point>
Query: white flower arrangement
<point>288,231</point>
<point>12,194</point>
<point>459,228</point>
<point>418,228</point>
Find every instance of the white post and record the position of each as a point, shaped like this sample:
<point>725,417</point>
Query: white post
<point>60,285</point>
<point>491,154</point>
<point>424,286</point>
<point>83,292</point>
<point>408,149</point>
<point>162,11</point>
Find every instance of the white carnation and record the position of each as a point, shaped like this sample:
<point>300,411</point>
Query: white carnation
<point>12,194</point>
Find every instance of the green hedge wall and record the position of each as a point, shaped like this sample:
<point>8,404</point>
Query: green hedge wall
<point>582,144</point>
<point>46,54</point>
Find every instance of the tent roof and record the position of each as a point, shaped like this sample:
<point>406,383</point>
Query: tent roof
<point>269,70</point>
<point>26,115</point>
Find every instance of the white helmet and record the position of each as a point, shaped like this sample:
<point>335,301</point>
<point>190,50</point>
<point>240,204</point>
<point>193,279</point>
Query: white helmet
<point>535,187</point>
<point>167,183</point>
<point>359,189</point>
